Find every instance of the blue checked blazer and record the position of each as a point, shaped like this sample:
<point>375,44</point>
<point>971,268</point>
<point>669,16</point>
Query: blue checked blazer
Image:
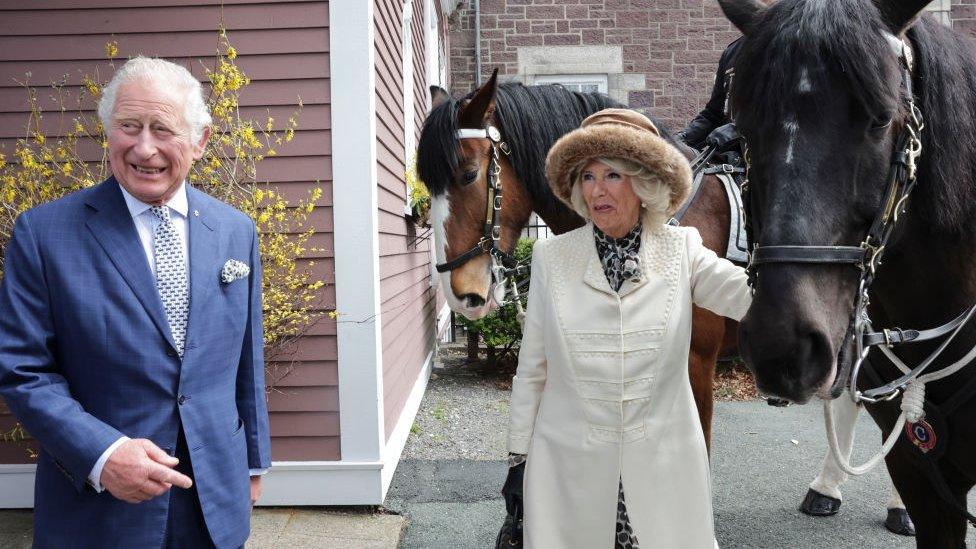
<point>86,356</point>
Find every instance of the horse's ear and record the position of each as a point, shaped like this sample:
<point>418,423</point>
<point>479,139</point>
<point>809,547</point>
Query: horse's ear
<point>742,13</point>
<point>438,95</point>
<point>482,104</point>
<point>900,14</point>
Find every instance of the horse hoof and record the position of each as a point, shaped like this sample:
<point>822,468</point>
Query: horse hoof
<point>777,402</point>
<point>818,505</point>
<point>898,522</point>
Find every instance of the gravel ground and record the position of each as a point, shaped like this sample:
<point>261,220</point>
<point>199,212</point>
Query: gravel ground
<point>464,414</point>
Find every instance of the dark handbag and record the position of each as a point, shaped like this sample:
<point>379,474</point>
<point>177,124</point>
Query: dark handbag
<point>510,535</point>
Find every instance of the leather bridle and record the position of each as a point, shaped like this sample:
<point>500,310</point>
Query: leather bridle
<point>866,257</point>
<point>503,264</point>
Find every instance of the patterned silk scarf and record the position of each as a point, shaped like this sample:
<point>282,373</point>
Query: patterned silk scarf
<point>620,256</point>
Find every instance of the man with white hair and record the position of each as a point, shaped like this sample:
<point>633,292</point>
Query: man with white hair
<point>131,340</point>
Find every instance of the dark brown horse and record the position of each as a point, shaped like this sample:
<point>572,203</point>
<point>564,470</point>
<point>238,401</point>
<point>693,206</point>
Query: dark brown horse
<point>836,98</point>
<point>530,119</point>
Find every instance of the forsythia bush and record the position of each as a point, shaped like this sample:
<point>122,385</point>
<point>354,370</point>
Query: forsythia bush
<point>42,168</point>
<point>419,196</point>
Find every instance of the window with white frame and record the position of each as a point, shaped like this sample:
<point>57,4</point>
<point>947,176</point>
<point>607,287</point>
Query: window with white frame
<point>409,116</point>
<point>576,82</point>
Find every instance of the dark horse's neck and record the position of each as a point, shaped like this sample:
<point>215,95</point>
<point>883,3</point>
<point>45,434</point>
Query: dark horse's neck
<point>929,271</point>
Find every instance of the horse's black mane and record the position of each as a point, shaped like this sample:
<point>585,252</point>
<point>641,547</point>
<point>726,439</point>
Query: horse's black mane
<point>945,87</point>
<point>848,34</point>
<point>531,119</point>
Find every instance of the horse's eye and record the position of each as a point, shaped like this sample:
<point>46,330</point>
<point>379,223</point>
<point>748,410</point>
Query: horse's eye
<point>881,123</point>
<point>470,177</point>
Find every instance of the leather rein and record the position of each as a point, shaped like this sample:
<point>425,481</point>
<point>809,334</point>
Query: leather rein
<point>504,267</point>
<point>866,257</point>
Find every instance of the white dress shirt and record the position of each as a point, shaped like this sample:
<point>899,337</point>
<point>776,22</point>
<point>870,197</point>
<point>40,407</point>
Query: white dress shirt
<point>146,224</point>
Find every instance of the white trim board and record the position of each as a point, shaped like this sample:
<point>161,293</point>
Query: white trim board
<point>17,481</point>
<point>356,230</point>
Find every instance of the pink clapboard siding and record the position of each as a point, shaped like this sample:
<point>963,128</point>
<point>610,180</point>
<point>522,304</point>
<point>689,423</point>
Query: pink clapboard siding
<point>283,45</point>
<point>407,300</point>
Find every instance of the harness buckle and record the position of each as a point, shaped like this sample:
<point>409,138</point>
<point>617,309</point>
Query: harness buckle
<point>728,168</point>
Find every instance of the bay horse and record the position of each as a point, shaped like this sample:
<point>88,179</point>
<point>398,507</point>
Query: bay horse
<point>860,123</point>
<point>529,120</point>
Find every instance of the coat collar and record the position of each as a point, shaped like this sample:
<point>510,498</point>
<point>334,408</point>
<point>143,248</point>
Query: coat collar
<point>594,276</point>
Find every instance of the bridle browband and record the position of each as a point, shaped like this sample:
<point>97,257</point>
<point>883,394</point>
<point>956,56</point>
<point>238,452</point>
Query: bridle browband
<point>504,266</point>
<point>866,257</point>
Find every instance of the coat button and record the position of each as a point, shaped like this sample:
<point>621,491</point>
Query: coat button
<point>170,352</point>
<point>182,399</point>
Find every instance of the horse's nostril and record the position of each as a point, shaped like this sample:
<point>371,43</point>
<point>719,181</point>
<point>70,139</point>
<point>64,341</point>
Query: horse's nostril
<point>472,301</point>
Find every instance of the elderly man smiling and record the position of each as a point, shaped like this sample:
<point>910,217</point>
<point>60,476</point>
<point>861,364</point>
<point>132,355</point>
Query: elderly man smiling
<point>131,340</point>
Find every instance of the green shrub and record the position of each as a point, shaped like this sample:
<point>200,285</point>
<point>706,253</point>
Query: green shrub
<point>501,328</point>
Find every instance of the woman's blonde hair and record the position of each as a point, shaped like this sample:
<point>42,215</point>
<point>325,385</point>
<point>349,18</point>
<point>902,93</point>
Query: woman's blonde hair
<point>652,192</point>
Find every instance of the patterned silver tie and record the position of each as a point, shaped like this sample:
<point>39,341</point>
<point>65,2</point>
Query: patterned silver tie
<point>171,276</point>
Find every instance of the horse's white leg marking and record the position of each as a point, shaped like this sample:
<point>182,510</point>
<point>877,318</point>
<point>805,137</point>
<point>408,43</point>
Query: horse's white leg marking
<point>831,476</point>
<point>894,498</point>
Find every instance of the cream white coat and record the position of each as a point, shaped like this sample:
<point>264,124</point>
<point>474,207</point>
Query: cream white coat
<point>602,392</point>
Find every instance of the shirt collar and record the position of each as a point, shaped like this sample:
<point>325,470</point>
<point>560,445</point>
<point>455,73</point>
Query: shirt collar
<point>178,202</point>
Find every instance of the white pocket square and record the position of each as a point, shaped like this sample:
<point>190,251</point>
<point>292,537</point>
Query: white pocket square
<point>234,270</point>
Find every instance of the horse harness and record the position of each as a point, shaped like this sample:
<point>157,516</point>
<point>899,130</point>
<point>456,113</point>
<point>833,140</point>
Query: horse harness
<point>504,267</point>
<point>866,257</point>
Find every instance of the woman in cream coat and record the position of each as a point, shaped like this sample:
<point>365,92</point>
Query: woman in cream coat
<point>601,403</point>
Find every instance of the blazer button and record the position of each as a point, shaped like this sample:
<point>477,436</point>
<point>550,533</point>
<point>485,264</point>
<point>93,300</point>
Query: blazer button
<point>182,399</point>
<point>170,352</point>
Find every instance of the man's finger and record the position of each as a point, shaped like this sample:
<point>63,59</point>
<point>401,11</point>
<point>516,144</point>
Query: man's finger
<point>157,454</point>
<point>164,474</point>
<point>151,489</point>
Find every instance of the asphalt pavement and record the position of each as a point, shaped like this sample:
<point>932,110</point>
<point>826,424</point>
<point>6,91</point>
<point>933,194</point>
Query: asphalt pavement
<point>763,460</point>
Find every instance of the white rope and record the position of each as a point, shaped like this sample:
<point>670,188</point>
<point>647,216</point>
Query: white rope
<point>843,462</point>
<point>913,401</point>
<point>912,408</point>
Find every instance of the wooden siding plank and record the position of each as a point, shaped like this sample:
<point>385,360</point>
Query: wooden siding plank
<point>156,17</point>
<point>304,399</point>
<point>305,448</point>
<point>303,374</point>
<point>260,93</point>
<point>305,424</point>
<point>175,45</point>
<point>74,4</point>
<point>311,118</point>
<point>258,67</point>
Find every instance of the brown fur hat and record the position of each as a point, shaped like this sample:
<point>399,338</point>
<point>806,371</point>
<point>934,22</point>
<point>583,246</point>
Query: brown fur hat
<point>618,133</point>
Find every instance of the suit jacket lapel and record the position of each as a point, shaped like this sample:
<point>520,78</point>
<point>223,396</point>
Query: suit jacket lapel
<point>205,262</point>
<point>113,228</point>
